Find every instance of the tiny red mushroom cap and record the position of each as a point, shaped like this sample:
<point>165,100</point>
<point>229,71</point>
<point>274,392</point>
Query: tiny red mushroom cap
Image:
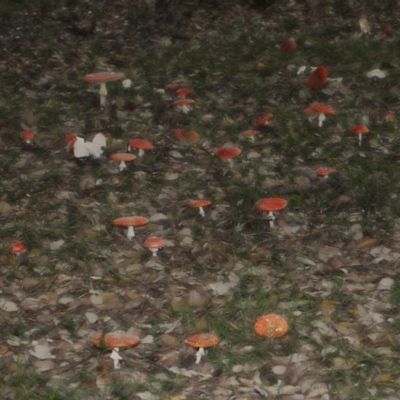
<point>140,144</point>
<point>183,92</point>
<point>200,204</point>
<point>272,204</point>
<point>17,248</point>
<point>264,119</point>
<point>201,341</point>
<point>325,171</point>
<point>154,243</point>
<point>322,108</point>
<point>185,105</point>
<point>130,222</point>
<point>318,78</point>
<point>115,339</point>
<point>28,136</point>
<point>360,130</point>
<point>289,45</point>
<point>271,326</point>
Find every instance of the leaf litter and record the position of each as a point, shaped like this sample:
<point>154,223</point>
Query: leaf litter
<point>329,265</point>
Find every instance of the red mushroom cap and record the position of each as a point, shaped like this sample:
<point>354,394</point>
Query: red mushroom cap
<point>122,157</point>
<point>202,340</point>
<point>263,119</point>
<point>322,108</point>
<point>251,133</point>
<point>271,326</point>
<point>309,112</point>
<point>130,221</point>
<point>183,92</point>
<point>17,248</point>
<point>154,242</point>
<point>184,102</point>
<point>28,135</point>
<point>318,78</point>
<point>289,45</point>
<point>360,129</point>
<point>172,86</point>
<point>101,77</point>
<point>140,144</point>
<point>271,204</point>
<point>325,171</point>
<point>186,136</point>
<point>228,152</point>
<point>115,339</point>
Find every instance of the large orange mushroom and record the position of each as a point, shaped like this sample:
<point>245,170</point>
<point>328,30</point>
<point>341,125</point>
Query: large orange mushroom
<point>115,340</point>
<point>130,222</point>
<point>271,326</point>
<point>102,78</point>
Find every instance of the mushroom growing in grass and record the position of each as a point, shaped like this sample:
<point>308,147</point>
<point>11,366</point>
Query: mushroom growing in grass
<point>318,78</point>
<point>102,78</point>
<point>115,340</point>
<point>201,341</point>
<point>264,119</point>
<point>322,110</point>
<point>271,326</point>
<point>141,145</point>
<point>289,45</point>
<point>183,92</point>
<point>228,153</point>
<point>17,248</point>
<point>325,171</point>
<point>130,222</point>
<point>360,130</point>
<point>251,134</point>
<point>123,158</point>
<point>185,136</point>
<point>200,204</point>
<point>154,243</point>
<point>271,205</point>
<point>28,137</point>
<point>184,105</point>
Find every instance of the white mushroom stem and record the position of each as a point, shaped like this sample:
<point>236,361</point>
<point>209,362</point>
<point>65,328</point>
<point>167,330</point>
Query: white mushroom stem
<point>230,162</point>
<point>154,251</point>
<point>122,165</point>
<point>116,357</point>
<point>141,152</point>
<point>202,213</point>
<point>103,94</point>
<point>200,353</point>
<point>359,139</point>
<point>271,218</point>
<point>321,119</point>
<point>185,108</point>
<point>131,232</point>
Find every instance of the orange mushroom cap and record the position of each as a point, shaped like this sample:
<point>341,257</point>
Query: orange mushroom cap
<point>289,45</point>
<point>271,326</point>
<point>228,152</point>
<point>360,129</point>
<point>115,339</point>
<point>199,203</point>
<point>101,77</point>
<point>251,133</point>
<point>172,86</point>
<point>17,248</point>
<point>322,108</point>
<point>154,242</point>
<point>264,119</point>
<point>122,157</point>
<point>130,221</point>
<point>271,204</point>
<point>184,102</point>
<point>186,136</point>
<point>140,144</point>
<point>309,112</point>
<point>202,340</point>
<point>28,135</point>
<point>318,78</point>
<point>325,171</point>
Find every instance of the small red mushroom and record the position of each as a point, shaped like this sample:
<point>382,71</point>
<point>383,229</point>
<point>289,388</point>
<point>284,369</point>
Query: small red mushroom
<point>228,153</point>
<point>289,45</point>
<point>200,204</point>
<point>318,78</point>
<point>130,222</point>
<point>325,171</point>
<point>270,205</point>
<point>264,119</point>
<point>186,136</point>
<point>183,92</point>
<point>184,105</point>
<point>360,130</point>
<point>322,110</point>
<point>251,134</point>
<point>154,243</point>
<point>141,145</point>
<point>201,341</point>
<point>28,137</point>
<point>271,326</point>
<point>17,248</point>
<point>123,158</point>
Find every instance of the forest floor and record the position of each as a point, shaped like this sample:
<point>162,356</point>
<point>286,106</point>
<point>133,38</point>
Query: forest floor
<point>328,265</point>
